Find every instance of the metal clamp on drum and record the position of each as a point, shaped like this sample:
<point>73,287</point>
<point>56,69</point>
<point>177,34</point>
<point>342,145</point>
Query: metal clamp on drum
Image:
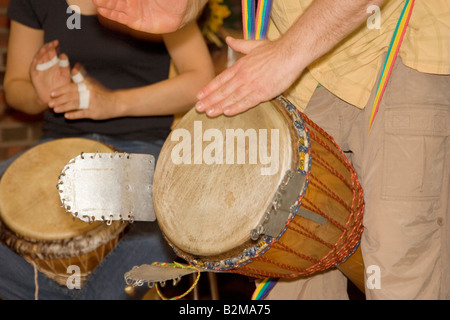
<point>284,207</point>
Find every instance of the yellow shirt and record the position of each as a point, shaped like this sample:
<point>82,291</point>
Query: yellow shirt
<point>350,70</point>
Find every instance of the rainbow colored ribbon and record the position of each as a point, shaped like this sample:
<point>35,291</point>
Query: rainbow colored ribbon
<point>255,20</point>
<point>262,18</point>
<point>263,288</point>
<point>248,19</point>
<point>392,53</point>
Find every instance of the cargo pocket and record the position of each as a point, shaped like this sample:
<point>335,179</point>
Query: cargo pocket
<point>414,151</point>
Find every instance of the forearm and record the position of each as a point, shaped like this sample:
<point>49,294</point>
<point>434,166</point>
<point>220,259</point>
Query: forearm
<point>321,27</point>
<point>20,95</point>
<point>171,96</point>
<point>23,44</point>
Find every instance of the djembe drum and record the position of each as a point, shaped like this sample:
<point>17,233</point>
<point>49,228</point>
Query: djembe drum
<point>34,223</point>
<point>296,211</point>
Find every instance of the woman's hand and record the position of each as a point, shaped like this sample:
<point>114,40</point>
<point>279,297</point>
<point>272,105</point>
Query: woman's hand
<point>97,102</point>
<point>49,71</point>
<point>153,16</point>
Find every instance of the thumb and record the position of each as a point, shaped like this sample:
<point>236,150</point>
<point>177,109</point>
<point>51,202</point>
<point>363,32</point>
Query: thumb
<point>243,46</point>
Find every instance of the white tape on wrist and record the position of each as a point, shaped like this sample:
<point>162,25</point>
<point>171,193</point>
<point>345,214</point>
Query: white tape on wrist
<point>47,65</point>
<point>84,96</point>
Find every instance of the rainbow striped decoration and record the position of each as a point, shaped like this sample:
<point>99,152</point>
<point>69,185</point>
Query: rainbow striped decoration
<point>263,288</point>
<point>392,53</point>
<point>248,19</point>
<point>255,21</point>
<point>262,18</point>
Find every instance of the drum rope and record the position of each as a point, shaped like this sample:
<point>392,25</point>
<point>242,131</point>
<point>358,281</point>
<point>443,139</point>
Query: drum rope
<point>305,232</point>
<point>325,164</point>
<point>342,253</point>
<point>314,136</point>
<point>320,161</point>
<point>344,247</point>
<point>280,245</point>
<point>356,195</point>
<point>36,283</point>
<point>332,259</point>
<point>177,265</point>
<point>322,187</point>
<point>355,232</point>
<point>312,207</point>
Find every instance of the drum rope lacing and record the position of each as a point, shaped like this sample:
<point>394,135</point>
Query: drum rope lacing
<point>341,250</point>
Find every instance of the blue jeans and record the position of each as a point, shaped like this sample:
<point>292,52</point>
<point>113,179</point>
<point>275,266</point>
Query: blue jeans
<point>143,243</point>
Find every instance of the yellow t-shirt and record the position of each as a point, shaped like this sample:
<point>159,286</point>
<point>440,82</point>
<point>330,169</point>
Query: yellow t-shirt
<point>350,70</point>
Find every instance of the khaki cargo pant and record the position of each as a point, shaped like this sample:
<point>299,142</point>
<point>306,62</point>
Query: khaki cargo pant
<point>404,168</point>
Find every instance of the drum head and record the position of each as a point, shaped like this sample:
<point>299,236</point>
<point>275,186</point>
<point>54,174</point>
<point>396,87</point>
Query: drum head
<point>205,202</point>
<point>29,200</point>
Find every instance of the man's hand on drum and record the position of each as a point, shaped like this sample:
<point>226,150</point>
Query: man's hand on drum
<point>49,70</point>
<point>153,16</point>
<point>263,73</point>
<point>84,98</point>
